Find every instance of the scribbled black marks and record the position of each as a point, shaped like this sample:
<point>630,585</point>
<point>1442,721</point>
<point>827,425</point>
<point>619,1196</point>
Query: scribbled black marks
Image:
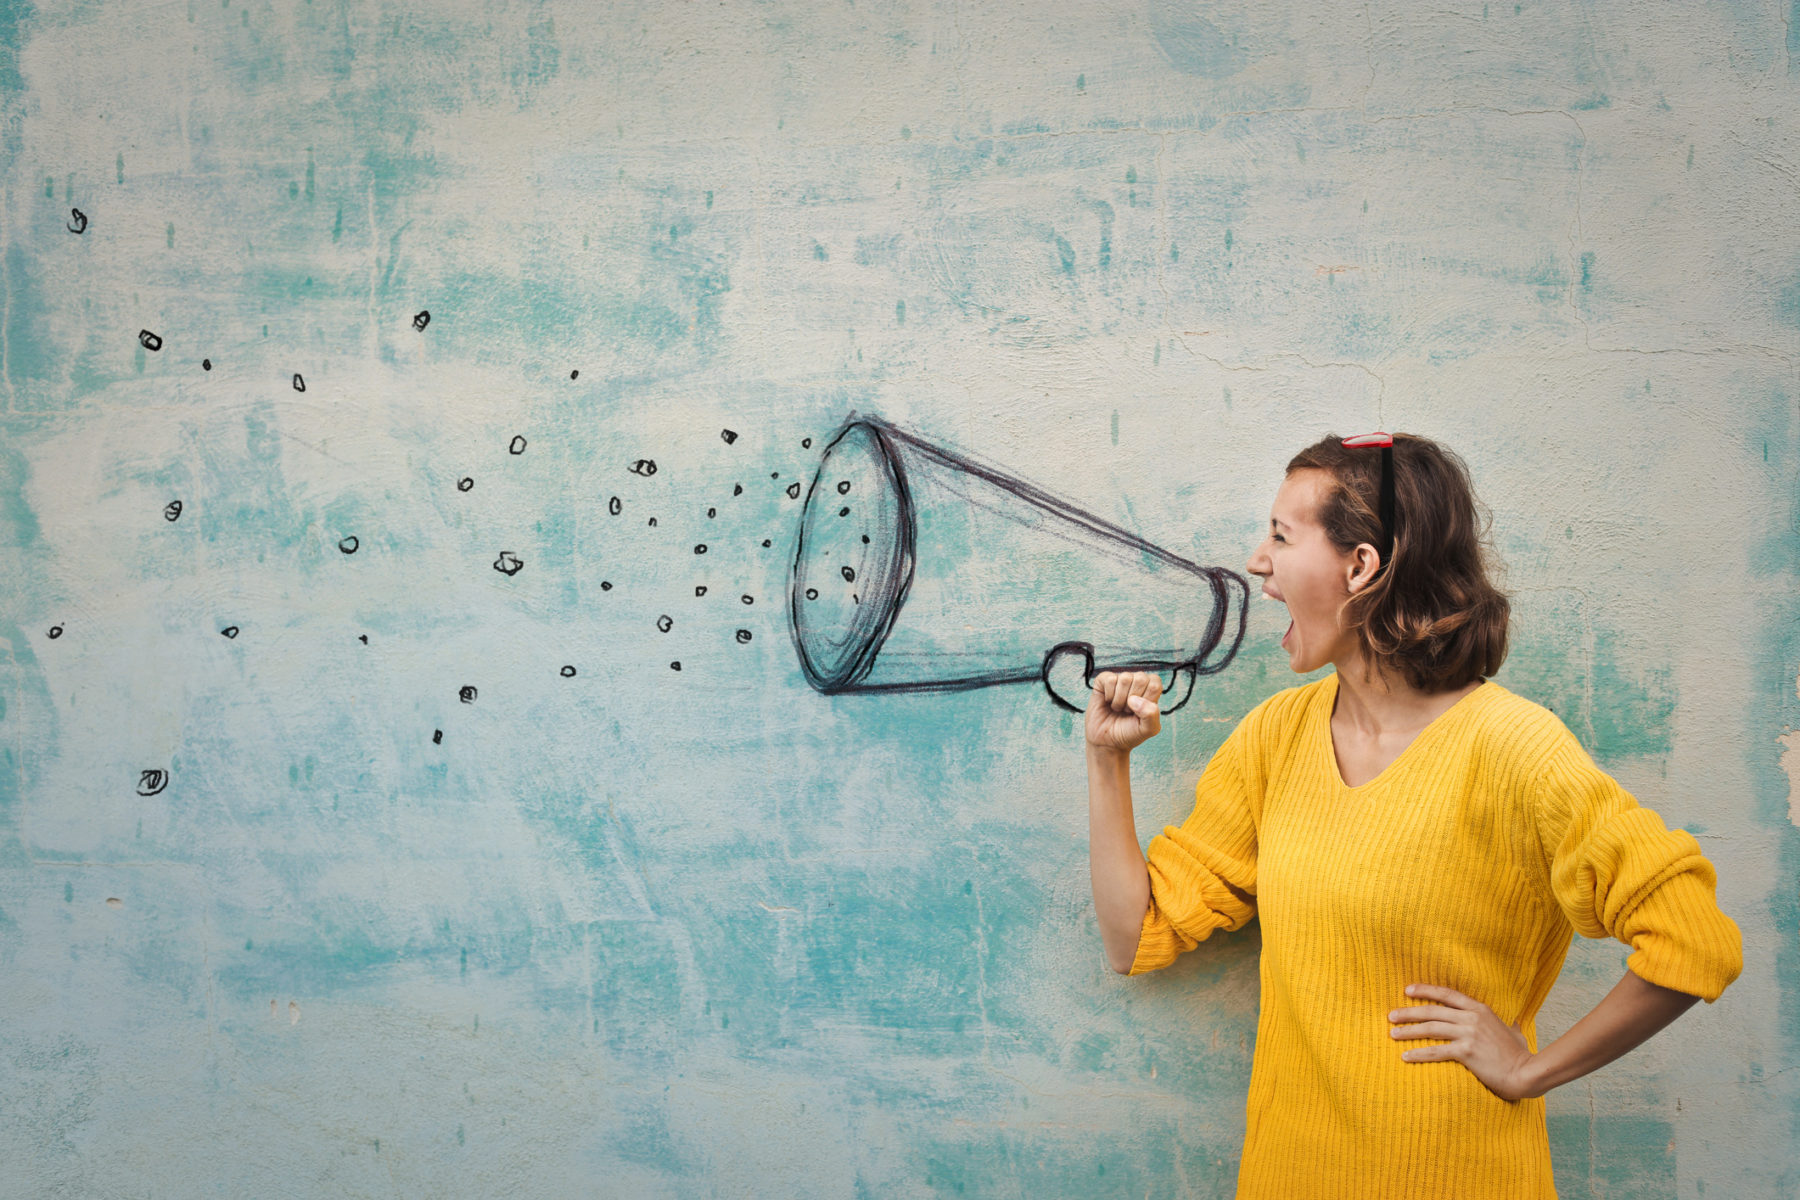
<point>605,586</point>
<point>793,490</point>
<point>806,443</point>
<point>728,435</point>
<point>950,551</point>
<point>206,364</point>
<point>575,373</point>
<point>700,548</point>
<point>364,638</point>
<point>172,511</point>
<point>55,632</point>
<point>508,563</point>
<point>699,589</point>
<point>77,221</point>
<point>349,544</point>
<point>615,506</point>
<point>517,446</point>
<point>675,666</point>
<point>230,631</point>
<point>644,466</point>
<point>568,672</point>
<point>712,514</point>
<point>465,483</point>
<point>748,599</point>
<point>148,340</point>
<point>743,635</point>
<point>665,622</point>
<point>767,543</point>
<point>422,318</point>
<point>437,737</point>
<point>466,694</point>
<point>299,383</point>
<point>151,782</point>
<point>844,512</point>
<point>737,490</point>
<point>653,522</point>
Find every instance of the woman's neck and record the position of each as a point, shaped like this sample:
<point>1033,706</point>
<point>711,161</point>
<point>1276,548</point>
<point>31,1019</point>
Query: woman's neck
<point>1384,703</point>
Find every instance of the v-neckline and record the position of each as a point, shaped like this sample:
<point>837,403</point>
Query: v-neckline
<point>1329,743</point>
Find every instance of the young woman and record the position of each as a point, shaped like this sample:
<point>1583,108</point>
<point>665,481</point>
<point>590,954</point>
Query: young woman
<point>1419,844</point>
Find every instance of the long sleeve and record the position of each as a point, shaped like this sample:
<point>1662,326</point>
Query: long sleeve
<point>1618,871</point>
<point>1203,874</point>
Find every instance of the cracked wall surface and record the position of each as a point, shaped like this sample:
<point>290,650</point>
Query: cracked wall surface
<point>436,875</point>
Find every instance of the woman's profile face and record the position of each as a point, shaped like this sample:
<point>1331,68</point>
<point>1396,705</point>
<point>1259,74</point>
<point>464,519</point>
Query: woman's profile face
<point>1300,567</point>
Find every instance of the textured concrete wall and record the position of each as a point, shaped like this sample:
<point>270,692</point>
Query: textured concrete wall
<point>648,932</point>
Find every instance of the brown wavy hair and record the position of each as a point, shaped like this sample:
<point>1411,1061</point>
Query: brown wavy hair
<point>1432,614</point>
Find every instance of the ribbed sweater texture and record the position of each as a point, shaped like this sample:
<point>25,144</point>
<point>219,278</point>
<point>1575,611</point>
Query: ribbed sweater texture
<point>1468,863</point>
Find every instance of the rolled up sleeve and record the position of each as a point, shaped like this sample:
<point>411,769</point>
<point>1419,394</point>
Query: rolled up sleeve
<point>1617,871</point>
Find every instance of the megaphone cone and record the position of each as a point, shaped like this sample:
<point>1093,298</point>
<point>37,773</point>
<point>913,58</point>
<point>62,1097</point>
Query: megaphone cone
<point>921,570</point>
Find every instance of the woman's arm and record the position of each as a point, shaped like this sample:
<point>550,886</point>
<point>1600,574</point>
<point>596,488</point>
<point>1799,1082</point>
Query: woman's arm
<point>1116,863</point>
<point>1631,1012</point>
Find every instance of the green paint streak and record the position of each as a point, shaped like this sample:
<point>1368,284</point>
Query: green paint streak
<point>900,312</point>
<point>337,226</point>
<point>1130,174</point>
<point>1065,253</point>
<point>1587,270</point>
<point>1115,429</point>
<point>171,235</point>
<point>1080,82</point>
<point>121,166</point>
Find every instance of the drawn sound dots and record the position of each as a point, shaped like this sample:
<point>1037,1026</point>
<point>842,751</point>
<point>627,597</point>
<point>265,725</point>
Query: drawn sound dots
<point>728,435</point>
<point>605,586</point>
<point>517,446</point>
<point>765,543</point>
<point>172,511</point>
<point>812,593</point>
<point>644,466</point>
<point>206,364</point>
<point>700,548</point>
<point>653,522</point>
<point>77,221</point>
<point>437,737</point>
<point>348,544</point>
<point>508,563</point>
<point>712,513</point>
<point>299,383</point>
<point>55,632</point>
<point>230,631</point>
<point>699,589</point>
<point>793,490</point>
<point>422,318</point>
<point>568,672</point>
<point>747,599</point>
<point>615,506</point>
<point>665,622</point>
<point>675,666</point>
<point>151,782</point>
<point>464,484</point>
<point>737,489</point>
<point>843,487</point>
<point>743,635</point>
<point>574,374</point>
<point>148,340</point>
<point>806,443</point>
<point>466,695</point>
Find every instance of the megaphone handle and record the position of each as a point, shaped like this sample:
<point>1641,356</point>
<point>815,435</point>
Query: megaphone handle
<point>1185,669</point>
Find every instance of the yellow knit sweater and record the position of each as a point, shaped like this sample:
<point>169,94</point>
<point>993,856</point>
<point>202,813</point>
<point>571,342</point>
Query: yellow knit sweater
<point>1465,864</point>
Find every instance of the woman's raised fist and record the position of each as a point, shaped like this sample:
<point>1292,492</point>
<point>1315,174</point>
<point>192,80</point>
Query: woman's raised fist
<point>1124,710</point>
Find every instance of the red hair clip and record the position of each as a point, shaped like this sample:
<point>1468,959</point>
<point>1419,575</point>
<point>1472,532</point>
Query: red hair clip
<point>1370,439</point>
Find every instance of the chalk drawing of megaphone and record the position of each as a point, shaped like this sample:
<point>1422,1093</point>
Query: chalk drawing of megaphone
<point>921,570</point>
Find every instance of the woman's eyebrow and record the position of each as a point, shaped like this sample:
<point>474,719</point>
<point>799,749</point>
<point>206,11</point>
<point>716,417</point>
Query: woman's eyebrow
<point>1283,524</point>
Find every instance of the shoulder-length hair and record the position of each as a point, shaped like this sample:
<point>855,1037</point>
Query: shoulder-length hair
<point>1432,615</point>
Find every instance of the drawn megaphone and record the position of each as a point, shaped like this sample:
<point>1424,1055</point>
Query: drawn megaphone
<point>920,570</point>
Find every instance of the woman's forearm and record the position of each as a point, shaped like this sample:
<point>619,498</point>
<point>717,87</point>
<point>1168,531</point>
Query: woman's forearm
<point>1631,1012</point>
<point>1115,860</point>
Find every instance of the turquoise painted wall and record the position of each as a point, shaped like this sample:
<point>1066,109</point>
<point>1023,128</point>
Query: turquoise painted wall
<point>636,931</point>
